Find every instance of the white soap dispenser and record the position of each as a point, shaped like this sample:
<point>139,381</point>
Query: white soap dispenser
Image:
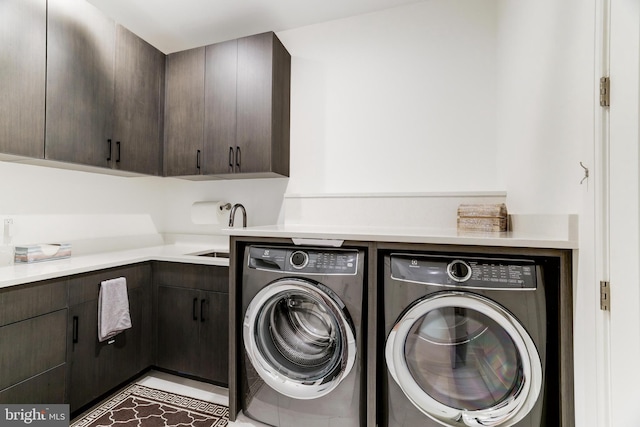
<point>6,249</point>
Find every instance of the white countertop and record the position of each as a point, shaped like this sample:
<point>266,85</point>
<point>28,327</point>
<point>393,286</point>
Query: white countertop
<point>561,235</point>
<point>530,239</point>
<point>17,274</point>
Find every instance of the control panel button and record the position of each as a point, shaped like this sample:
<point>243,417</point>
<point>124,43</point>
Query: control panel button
<point>299,259</point>
<point>459,271</point>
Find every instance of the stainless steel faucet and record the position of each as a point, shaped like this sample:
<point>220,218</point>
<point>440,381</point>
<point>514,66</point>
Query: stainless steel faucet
<point>233,214</point>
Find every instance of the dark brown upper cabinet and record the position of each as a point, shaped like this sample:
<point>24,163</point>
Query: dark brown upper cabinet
<point>104,92</point>
<point>247,92</point>
<point>262,110</point>
<point>184,112</point>
<point>23,25</point>
<point>220,107</point>
<point>237,92</point>
<point>138,113</point>
<point>80,82</point>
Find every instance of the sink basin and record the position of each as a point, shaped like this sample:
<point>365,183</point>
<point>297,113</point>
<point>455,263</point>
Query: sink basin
<point>212,254</point>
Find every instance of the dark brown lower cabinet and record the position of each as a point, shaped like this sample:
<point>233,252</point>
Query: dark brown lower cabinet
<point>47,387</point>
<point>97,367</point>
<point>214,338</point>
<point>33,345</point>
<point>54,355</point>
<point>193,320</point>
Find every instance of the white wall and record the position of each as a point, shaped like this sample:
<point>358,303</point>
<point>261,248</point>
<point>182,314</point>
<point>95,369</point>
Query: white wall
<point>545,101</point>
<point>399,100</point>
<point>262,198</point>
<point>54,205</point>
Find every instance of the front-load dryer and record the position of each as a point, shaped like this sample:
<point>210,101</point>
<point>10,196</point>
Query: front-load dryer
<point>465,341</point>
<point>301,363</point>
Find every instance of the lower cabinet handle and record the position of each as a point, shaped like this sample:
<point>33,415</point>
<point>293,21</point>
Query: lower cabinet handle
<point>202,310</point>
<point>75,329</point>
<point>118,147</point>
<point>109,155</point>
<point>238,158</point>
<point>195,315</point>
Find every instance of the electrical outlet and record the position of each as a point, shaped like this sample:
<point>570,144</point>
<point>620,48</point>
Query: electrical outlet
<point>8,228</point>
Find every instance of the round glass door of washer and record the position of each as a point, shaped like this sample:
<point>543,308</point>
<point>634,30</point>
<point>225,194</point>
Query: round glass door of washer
<point>299,338</point>
<point>462,359</point>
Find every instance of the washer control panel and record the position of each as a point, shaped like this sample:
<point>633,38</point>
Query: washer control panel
<point>467,271</point>
<point>304,260</point>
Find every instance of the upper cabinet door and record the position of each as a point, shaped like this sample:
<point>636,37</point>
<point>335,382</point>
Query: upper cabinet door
<point>23,36</point>
<point>220,107</point>
<point>246,122</point>
<point>80,82</point>
<point>139,81</point>
<point>263,93</point>
<point>255,78</point>
<point>184,112</point>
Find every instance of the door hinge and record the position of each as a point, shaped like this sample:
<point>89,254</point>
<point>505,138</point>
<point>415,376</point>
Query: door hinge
<point>605,296</point>
<point>604,91</point>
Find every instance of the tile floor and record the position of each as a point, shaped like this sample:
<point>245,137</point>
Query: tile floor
<point>195,389</point>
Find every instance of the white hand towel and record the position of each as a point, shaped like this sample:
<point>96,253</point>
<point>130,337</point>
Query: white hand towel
<point>113,308</point>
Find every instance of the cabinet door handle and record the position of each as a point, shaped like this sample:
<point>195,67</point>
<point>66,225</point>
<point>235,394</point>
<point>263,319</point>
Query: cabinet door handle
<point>202,302</point>
<point>198,160</point>
<point>231,159</point>
<point>118,149</point>
<point>109,155</point>
<point>195,315</point>
<point>75,330</point>
<point>238,159</point>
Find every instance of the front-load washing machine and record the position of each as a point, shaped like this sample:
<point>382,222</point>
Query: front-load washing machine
<point>301,363</point>
<point>466,341</point>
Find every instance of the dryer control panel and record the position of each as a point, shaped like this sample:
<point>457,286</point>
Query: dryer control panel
<point>304,260</point>
<point>464,271</point>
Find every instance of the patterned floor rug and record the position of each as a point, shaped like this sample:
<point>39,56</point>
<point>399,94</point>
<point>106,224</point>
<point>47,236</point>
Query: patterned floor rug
<point>140,406</point>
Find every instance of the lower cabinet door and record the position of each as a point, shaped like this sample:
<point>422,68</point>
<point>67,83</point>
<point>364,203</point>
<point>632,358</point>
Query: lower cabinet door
<point>94,367</point>
<point>83,354</point>
<point>119,357</point>
<point>37,346</point>
<point>46,388</point>
<point>97,367</point>
<point>214,337</point>
<point>178,325</point>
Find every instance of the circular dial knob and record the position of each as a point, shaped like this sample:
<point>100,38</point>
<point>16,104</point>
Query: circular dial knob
<point>299,259</point>
<point>459,270</point>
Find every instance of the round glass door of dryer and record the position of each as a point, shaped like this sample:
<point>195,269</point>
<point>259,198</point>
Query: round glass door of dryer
<point>462,359</point>
<point>299,338</point>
